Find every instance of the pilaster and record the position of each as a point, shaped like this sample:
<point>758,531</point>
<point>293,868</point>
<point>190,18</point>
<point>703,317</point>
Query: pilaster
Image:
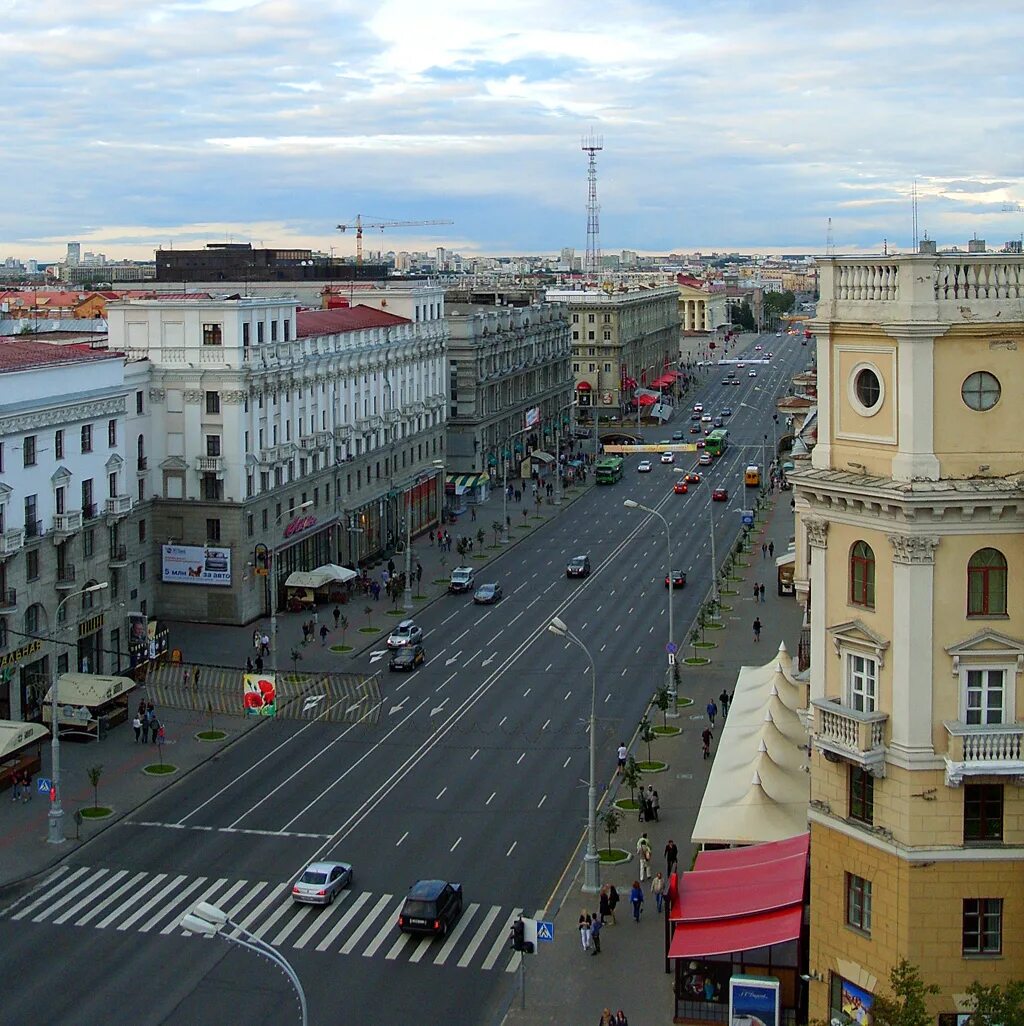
<point>817,538</point>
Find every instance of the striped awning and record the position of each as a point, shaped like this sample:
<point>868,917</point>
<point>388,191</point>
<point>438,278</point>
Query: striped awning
<point>465,482</point>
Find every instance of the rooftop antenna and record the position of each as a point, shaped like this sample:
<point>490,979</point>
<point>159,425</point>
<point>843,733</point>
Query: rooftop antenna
<point>591,146</point>
<point>913,204</point>
<point>830,242</point>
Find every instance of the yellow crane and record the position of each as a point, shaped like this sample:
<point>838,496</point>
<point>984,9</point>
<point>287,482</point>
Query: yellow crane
<point>359,224</point>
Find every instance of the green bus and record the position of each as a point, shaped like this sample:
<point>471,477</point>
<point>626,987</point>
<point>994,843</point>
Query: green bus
<point>609,470</point>
<point>717,442</point>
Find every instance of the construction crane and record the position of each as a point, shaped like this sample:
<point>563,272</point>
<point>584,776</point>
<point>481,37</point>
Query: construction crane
<point>359,224</point>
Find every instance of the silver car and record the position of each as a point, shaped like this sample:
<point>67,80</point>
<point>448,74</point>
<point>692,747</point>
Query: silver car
<point>321,882</point>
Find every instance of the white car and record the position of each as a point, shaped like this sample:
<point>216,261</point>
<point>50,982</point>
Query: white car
<point>669,457</point>
<point>406,633</point>
<point>643,467</point>
<point>752,374</point>
<point>705,459</point>
<point>758,348</point>
<point>698,407</point>
<point>706,418</point>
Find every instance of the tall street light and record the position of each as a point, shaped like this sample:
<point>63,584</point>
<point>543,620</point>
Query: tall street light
<point>407,601</point>
<point>670,671</point>
<point>506,455</point>
<point>591,860</point>
<point>558,448</point>
<point>274,587</point>
<point>55,819</point>
<point>208,920</point>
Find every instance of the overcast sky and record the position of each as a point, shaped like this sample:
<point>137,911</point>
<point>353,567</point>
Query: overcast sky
<point>725,124</point>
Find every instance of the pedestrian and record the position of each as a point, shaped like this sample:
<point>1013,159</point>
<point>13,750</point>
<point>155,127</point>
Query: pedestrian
<point>385,576</point>
<point>26,786</point>
<point>15,787</point>
<point>658,890</point>
<point>440,540</point>
<point>316,617</point>
<point>762,592</point>
<point>757,590</point>
<point>622,753</point>
<point>419,572</point>
<point>706,737</point>
<point>604,908</point>
<point>323,634</point>
<point>248,664</point>
<point>636,899</point>
<point>613,901</point>
<point>431,536</point>
<point>305,632</point>
<point>160,736</point>
<point>643,854</point>
<point>671,856</point>
<point>391,566</point>
<point>259,663</point>
<point>607,1019</point>
<point>142,708</point>
<point>757,628</point>
<point>595,933</point>
<point>146,721</point>
<point>585,931</point>
<point>256,639</point>
<point>154,729</point>
<point>195,678</point>
<point>764,550</point>
<point>723,701</point>
<point>654,801</point>
<point>375,591</point>
<point>642,815</point>
<point>472,512</point>
<point>137,727</point>
<point>620,1018</point>
<point>712,711</point>
<point>771,549</point>
<point>337,616</point>
<point>265,642</point>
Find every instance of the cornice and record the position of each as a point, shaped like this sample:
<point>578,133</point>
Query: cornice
<point>61,416</point>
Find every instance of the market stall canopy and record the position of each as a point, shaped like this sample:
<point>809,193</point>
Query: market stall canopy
<point>320,577</point>
<point>90,690</point>
<point>544,457</point>
<point>15,735</point>
<point>462,483</point>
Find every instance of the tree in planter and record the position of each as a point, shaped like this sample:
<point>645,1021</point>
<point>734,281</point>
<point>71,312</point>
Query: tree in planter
<point>610,822</point>
<point>526,514</point>
<point>713,607</point>
<point>496,528</point>
<point>368,611</point>
<point>343,627</point>
<point>647,735</point>
<point>661,701</point>
<point>631,777</point>
<point>907,1006</point>
<point>461,547</point>
<point>694,638</point>
<point>296,656</point>
<point>702,621</point>
<point>480,538</point>
<point>95,772</point>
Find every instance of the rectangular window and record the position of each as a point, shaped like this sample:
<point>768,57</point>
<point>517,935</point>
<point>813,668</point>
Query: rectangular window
<point>213,335</point>
<point>112,484</point>
<point>264,518</point>
<point>142,530</point>
<point>862,795</point>
<point>287,330</point>
<point>111,433</point>
<point>32,564</point>
<point>213,402</point>
<point>590,318</point>
<point>250,525</point>
<point>139,403</point>
<point>986,697</point>
<point>28,451</point>
<point>142,572</point>
<point>213,445</point>
<point>983,812</point>
<point>273,331</point>
<point>983,926</point>
<point>607,335</point>
<point>259,333</point>
<point>858,903</point>
<point>88,542</point>
<point>213,529</point>
<point>245,336</point>
<point>87,438</point>
<point>862,683</point>
<point>88,509</point>
<point>58,444</point>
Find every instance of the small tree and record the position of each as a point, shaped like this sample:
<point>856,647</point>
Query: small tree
<point>647,735</point>
<point>661,701</point>
<point>496,528</point>
<point>343,627</point>
<point>368,611</point>
<point>209,712</point>
<point>462,547</point>
<point>997,1005</point>
<point>480,537</point>
<point>95,772</point>
<point>296,656</point>
<point>713,607</point>
<point>907,1006</point>
<point>610,821</point>
<point>526,514</point>
<point>702,620</point>
<point>694,638</point>
<point>631,777</point>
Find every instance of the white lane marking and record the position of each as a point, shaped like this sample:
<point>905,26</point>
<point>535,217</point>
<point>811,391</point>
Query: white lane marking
<point>526,692</point>
<point>603,647</point>
<point>472,657</point>
<point>365,925</point>
<point>438,708</point>
<point>385,931</point>
<point>402,838</point>
<point>567,761</point>
<point>491,799</point>
<point>516,617</point>
<point>450,616</point>
<point>474,755</point>
<point>638,647</point>
<point>496,636</point>
<point>92,895</point>
<point>567,694</point>
<point>452,659</point>
<point>179,899</point>
<point>48,894</point>
<point>421,949</point>
<point>453,938</point>
<point>520,588</point>
<point>156,899</point>
<point>340,925</point>
<point>289,928</point>
<point>520,759</point>
<point>598,610</point>
<point>455,641</point>
<point>482,618</point>
<point>546,724</point>
<point>501,944</point>
<point>446,682</point>
<point>625,670</point>
<point>400,942</point>
<point>455,845</point>
<point>618,626</point>
<point>478,937</point>
<point>321,919</point>
<point>274,895</point>
<point>534,602</point>
<point>608,697</point>
<point>437,797</point>
<point>542,801</point>
<point>501,722</point>
<point>512,849</point>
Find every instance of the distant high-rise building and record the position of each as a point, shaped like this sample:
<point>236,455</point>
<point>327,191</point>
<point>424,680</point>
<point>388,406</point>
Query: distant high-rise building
<point>74,257</point>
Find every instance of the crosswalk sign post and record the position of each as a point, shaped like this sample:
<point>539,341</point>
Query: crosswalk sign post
<point>545,930</point>
<point>43,785</point>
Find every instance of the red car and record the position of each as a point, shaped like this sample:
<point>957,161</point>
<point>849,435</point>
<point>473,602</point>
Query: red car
<point>677,578</point>
<point>720,495</point>
<point>700,443</point>
<point>680,488</point>
<point>692,478</point>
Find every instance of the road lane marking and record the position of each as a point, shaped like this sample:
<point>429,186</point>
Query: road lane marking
<point>455,845</point>
<point>441,792</point>
<point>516,617</point>
<point>474,755</point>
<point>402,838</point>
<point>455,641</point>
<point>472,657</point>
<point>135,896</point>
<point>501,722</point>
<point>496,636</point>
<point>512,849</point>
<point>365,925</point>
<point>526,692</point>
<point>278,913</point>
<point>520,759</point>
<point>267,901</point>
<point>478,937</point>
<point>48,894</point>
<point>542,801</point>
<point>421,949</point>
<point>385,931</point>
<point>321,919</point>
<point>491,799</point>
<point>340,925</point>
<point>156,899</point>
<point>168,906</point>
<point>86,884</point>
<point>608,696</point>
<point>297,920</point>
<point>400,942</point>
<point>91,896</point>
<point>501,944</point>
<point>546,724</point>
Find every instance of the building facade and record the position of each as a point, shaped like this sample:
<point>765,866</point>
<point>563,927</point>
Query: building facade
<point>503,362</point>
<point>621,341</point>
<point>280,437</point>
<point>910,545</point>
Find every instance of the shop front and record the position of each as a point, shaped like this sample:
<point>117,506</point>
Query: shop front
<point>21,682</point>
<point>378,527</point>
<point>90,645</point>
<point>20,750</point>
<point>89,704</point>
<point>305,543</point>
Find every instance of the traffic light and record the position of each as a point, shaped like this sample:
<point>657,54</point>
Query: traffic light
<point>518,935</point>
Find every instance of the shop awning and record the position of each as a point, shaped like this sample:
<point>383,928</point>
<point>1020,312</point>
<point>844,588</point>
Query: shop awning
<point>665,379</point>
<point>754,854</point>
<point>544,457</point>
<point>703,940</point>
<point>711,894</point>
<point>330,573</point>
<point>583,386</point>
<point>463,483</point>
<point>14,736</point>
<point>646,400</point>
<point>89,689</point>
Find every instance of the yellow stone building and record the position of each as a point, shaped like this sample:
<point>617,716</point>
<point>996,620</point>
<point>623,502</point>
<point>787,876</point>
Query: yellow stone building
<point>910,554</point>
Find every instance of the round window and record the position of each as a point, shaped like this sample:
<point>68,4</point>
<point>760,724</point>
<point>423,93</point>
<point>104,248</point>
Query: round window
<point>867,388</point>
<point>980,390</point>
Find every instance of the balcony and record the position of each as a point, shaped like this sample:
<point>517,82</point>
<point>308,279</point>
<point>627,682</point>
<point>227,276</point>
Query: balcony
<point>843,733</point>
<point>315,441</point>
<point>66,576</point>
<point>67,523</point>
<point>210,465</point>
<point>11,541</point>
<point>988,749</point>
<point>8,599</point>
<point>119,505</point>
<point>118,556</point>
<point>33,528</point>
<point>343,434</point>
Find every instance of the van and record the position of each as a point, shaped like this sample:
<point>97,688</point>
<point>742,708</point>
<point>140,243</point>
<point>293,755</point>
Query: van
<point>752,476</point>
<point>462,580</point>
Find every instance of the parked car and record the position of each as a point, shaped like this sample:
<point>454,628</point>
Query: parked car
<point>720,495</point>
<point>407,658</point>
<point>321,882</point>
<point>406,633</point>
<point>578,566</point>
<point>643,467</point>
<point>462,580</point>
<point>487,594</point>
<point>677,578</point>
<point>431,906</point>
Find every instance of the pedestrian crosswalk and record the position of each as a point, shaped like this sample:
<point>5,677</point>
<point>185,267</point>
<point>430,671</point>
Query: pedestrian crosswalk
<point>358,923</point>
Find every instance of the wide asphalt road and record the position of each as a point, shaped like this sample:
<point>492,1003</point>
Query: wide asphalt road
<point>472,769</point>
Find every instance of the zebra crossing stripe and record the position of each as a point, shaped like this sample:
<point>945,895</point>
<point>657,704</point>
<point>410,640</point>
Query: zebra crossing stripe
<point>460,928</point>
<point>108,901</point>
<point>421,949</point>
<point>284,907</point>
<point>91,896</point>
<point>401,940</point>
<point>178,899</point>
<point>175,923</point>
<point>502,943</point>
<point>301,914</point>
<point>224,898</point>
<point>320,920</point>
<point>344,921</point>
<point>365,925</point>
<point>48,895</point>
<point>260,908</point>
<point>90,881</point>
<point>250,895</point>
<point>8,911</point>
<point>385,930</point>
<point>141,892</point>
<point>155,900</point>
<point>478,937</point>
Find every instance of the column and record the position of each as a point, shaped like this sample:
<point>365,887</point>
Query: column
<point>913,571</point>
<point>816,529</point>
<point>915,347</point>
<point>821,454</point>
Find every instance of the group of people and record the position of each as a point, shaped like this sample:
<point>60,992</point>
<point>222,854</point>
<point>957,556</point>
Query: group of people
<point>145,723</point>
<point>21,786</point>
<point>649,805</point>
<point>758,591</point>
<point>609,1018</point>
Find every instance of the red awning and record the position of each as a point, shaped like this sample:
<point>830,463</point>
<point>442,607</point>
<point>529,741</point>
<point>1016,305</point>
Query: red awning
<point>583,386</point>
<point>646,400</point>
<point>671,374</point>
<point>662,381</point>
<point>703,940</point>
<point>753,854</point>
<point>741,890</point>
<point>629,382</point>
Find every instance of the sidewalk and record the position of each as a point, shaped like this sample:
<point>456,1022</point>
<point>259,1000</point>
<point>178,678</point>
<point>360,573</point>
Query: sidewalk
<point>568,987</point>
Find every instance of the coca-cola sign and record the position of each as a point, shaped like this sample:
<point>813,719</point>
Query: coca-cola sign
<point>299,524</point>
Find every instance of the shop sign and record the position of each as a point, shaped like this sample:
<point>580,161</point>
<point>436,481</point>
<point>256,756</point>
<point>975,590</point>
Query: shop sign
<point>90,626</point>
<point>754,999</point>
<point>11,658</point>
<point>299,524</point>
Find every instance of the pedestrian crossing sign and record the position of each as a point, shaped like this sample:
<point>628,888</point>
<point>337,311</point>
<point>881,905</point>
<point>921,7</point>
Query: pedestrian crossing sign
<point>545,930</point>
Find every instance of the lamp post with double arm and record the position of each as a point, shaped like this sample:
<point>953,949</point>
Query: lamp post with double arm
<point>274,585</point>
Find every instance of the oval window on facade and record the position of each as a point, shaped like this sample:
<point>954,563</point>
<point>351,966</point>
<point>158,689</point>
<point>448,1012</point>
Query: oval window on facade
<point>867,388</point>
<point>980,390</point>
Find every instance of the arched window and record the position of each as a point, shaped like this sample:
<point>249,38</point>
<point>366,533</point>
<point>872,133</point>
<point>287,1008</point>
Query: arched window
<point>862,575</point>
<point>35,619</point>
<point>3,632</point>
<point>986,583</point>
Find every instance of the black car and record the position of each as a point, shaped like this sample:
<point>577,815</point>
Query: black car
<point>578,566</point>
<point>677,577</point>
<point>487,594</point>
<point>677,436</point>
<point>432,906</point>
<point>407,658</point>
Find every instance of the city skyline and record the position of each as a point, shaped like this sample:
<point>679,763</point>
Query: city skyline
<point>726,126</point>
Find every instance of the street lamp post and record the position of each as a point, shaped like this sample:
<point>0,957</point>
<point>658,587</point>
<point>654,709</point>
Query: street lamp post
<point>591,860</point>
<point>670,672</point>
<point>55,819</point>
<point>208,920</point>
<point>504,482</point>
<point>558,451</point>
<point>274,586</point>
<point>407,595</point>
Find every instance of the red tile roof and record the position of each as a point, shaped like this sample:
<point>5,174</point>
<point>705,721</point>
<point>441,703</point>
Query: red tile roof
<point>353,318</point>
<point>22,354</point>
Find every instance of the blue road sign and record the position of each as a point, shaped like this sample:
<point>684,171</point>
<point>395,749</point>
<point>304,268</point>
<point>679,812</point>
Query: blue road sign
<point>748,517</point>
<point>545,930</point>
<point>671,648</point>
<point>43,785</point>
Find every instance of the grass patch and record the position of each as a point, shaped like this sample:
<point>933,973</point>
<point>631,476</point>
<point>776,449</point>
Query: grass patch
<point>682,703</point>
<point>369,630</point>
<point>419,598</point>
<point>654,766</point>
<point>727,591</point>
<point>613,856</point>
<point>440,580</point>
<point>706,644</point>
<point>212,735</point>
<point>97,813</point>
<point>341,648</point>
<point>696,660</point>
<point>715,626</point>
<point>157,769</point>
<point>479,555</point>
<point>627,804</point>
<point>393,612</point>
<point>665,731</point>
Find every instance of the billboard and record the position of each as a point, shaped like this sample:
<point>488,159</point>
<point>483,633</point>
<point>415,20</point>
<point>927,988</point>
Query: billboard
<point>259,694</point>
<point>856,1003</point>
<point>195,564</point>
<point>754,1001</point>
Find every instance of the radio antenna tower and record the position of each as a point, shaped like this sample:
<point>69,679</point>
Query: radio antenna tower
<point>830,242</point>
<point>591,146</point>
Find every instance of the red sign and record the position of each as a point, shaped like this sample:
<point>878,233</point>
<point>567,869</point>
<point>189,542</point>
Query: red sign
<point>300,523</point>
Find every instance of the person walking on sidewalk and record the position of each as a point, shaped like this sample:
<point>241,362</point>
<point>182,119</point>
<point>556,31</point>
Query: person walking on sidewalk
<point>771,549</point>
<point>26,786</point>
<point>585,931</point>
<point>706,737</point>
<point>643,854</point>
<point>636,899</point>
<point>16,787</point>
<point>607,1018</point>
<point>595,933</point>
<point>621,754</point>
<point>653,801</point>
<point>761,589</point>
<point>323,634</point>
<point>757,628</point>
<point>137,727</point>
<point>723,701</point>
<point>671,856</point>
<point>712,710</point>
<point>764,551</point>
<point>658,890</point>
<point>337,616</point>
<point>756,590</point>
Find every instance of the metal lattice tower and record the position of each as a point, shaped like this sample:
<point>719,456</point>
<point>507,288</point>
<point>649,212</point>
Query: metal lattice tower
<point>591,146</point>
<point>830,242</point>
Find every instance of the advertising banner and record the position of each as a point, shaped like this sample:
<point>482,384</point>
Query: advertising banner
<point>195,564</point>
<point>754,1001</point>
<point>533,416</point>
<point>259,694</point>
<point>856,1003</point>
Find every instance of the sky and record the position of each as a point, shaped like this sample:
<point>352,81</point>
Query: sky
<point>725,124</point>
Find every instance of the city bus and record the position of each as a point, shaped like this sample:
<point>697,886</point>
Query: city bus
<point>609,470</point>
<point>717,442</point>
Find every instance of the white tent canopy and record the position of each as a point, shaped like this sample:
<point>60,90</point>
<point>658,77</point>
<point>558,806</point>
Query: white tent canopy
<point>89,690</point>
<point>14,736</point>
<point>329,573</point>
